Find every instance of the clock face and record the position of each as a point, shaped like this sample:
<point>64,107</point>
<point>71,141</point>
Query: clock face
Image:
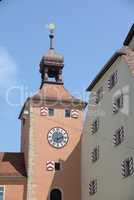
<point>58,137</point>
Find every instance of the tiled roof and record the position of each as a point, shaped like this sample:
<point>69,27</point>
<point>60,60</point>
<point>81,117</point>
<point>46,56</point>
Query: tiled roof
<point>12,165</point>
<point>58,93</point>
<point>54,92</point>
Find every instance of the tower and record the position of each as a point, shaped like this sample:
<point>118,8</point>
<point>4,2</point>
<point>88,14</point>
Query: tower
<point>51,134</point>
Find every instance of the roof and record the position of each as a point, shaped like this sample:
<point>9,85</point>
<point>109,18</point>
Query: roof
<point>54,56</point>
<point>53,59</point>
<point>126,53</point>
<point>103,70</point>
<point>129,36</point>
<point>56,93</point>
<point>12,165</point>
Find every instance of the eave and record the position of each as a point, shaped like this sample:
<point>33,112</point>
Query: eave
<point>104,70</point>
<point>129,36</point>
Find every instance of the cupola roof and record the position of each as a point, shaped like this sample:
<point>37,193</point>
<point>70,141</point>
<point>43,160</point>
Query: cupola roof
<point>52,58</point>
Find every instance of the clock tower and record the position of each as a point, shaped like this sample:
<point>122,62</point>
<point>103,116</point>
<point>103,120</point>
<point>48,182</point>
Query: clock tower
<point>51,124</point>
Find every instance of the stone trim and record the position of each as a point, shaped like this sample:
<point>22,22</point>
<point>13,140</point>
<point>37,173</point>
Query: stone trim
<point>31,158</point>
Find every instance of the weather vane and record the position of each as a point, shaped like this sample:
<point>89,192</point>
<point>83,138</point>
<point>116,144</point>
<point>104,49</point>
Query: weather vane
<point>51,28</point>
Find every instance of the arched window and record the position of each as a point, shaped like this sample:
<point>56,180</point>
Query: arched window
<point>55,194</point>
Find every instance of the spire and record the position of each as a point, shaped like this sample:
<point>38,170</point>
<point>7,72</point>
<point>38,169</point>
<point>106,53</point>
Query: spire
<point>52,63</point>
<point>51,28</point>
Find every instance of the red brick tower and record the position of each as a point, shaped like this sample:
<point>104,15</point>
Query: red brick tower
<point>51,135</point>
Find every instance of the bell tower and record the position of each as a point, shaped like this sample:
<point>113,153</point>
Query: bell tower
<point>52,123</point>
<point>52,63</point>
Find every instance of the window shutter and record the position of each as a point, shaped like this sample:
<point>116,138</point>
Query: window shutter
<point>109,83</point>
<point>74,113</point>
<point>93,187</point>
<point>122,133</point>
<point>123,171</point>
<point>115,139</point>
<point>44,111</point>
<point>90,188</point>
<point>95,154</point>
<point>127,168</point>
<point>92,128</point>
<point>50,165</point>
<point>113,80</point>
<point>115,108</point>
<point>117,104</point>
<point>95,126</point>
<point>118,137</point>
<point>131,165</point>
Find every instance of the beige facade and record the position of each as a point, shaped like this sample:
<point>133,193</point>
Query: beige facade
<point>108,170</point>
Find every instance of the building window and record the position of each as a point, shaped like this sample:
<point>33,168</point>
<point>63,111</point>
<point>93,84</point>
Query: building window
<point>93,187</point>
<point>95,154</point>
<point>118,137</point>
<point>99,95</point>
<point>57,166</point>
<point>112,80</point>
<point>67,113</point>
<point>1,193</point>
<point>51,112</point>
<point>118,104</point>
<point>127,167</point>
<point>95,126</point>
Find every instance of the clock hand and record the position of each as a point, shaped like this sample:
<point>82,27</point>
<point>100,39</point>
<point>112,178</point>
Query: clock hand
<point>61,137</point>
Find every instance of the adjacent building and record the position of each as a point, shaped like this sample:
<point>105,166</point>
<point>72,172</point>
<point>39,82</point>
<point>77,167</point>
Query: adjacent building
<point>108,135</point>
<point>49,164</point>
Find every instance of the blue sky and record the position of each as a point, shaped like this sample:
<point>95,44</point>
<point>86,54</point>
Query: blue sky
<point>88,32</point>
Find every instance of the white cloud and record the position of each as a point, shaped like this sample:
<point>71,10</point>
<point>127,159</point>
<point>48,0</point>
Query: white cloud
<point>8,70</point>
